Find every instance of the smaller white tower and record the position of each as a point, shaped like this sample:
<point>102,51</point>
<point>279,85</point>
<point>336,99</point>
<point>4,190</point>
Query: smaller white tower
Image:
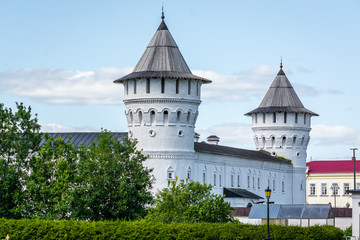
<point>281,126</point>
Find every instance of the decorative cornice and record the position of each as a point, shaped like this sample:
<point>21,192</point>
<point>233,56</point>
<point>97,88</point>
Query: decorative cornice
<point>162,100</point>
<point>271,128</point>
<point>170,156</point>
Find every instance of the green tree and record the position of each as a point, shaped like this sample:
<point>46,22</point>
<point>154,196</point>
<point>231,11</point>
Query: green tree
<point>112,182</point>
<point>189,202</point>
<point>48,188</point>
<point>20,139</point>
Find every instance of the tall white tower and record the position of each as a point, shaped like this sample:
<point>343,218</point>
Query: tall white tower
<point>281,126</point>
<point>162,97</point>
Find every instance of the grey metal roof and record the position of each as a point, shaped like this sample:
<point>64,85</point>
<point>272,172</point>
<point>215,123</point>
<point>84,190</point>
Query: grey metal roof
<point>237,152</point>
<point>240,193</point>
<point>83,138</point>
<point>281,97</point>
<point>292,211</point>
<point>162,58</point>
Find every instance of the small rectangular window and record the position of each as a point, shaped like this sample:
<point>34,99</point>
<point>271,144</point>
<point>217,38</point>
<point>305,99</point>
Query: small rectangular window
<point>204,178</point>
<point>220,184</point>
<point>214,179</point>
<point>134,86</point>
<point>197,88</point>
<point>282,186</point>
<point>177,86</point>
<point>274,185</point>
<point>248,181</point>
<point>312,189</point>
<point>346,188</point>
<point>238,180</point>
<point>189,87</point>
<point>253,180</point>
<point>285,117</point>
<point>148,85</point>
<point>296,118</point>
<point>274,118</point>
<point>162,85</point>
<point>264,118</point>
<point>255,118</point>
<point>258,183</point>
<point>127,88</point>
<point>305,118</point>
<point>232,180</point>
<point>323,189</point>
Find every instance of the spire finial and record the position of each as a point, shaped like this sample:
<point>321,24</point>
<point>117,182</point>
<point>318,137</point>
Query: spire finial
<point>162,14</point>
<point>281,66</point>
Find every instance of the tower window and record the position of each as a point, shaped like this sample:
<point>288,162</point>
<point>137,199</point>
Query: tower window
<point>170,173</point>
<point>134,86</point>
<point>255,118</point>
<point>197,88</point>
<point>283,141</point>
<point>162,85</point>
<point>166,117</point>
<point>285,117</point>
<point>189,87</point>
<point>152,117</point>
<point>305,118</point>
<point>127,88</point>
<point>264,118</point>
<point>188,117</point>
<point>148,85</point>
<point>296,117</point>
<point>178,116</point>
<point>177,86</point>
<point>274,118</point>
<point>258,183</point>
<point>140,117</point>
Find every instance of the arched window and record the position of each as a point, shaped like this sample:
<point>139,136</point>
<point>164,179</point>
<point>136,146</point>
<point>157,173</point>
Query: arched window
<point>204,174</point>
<point>214,179</point>
<point>232,180</point>
<point>178,116</point>
<point>152,116</point>
<point>166,117</point>
<point>294,140</point>
<point>170,173</point>
<point>220,183</point>
<point>140,117</point>
<point>272,141</point>
<point>274,185</point>
<point>263,142</point>
<point>248,181</point>
<point>283,141</point>
<point>188,117</point>
<point>302,140</point>
<point>238,180</point>
<point>131,118</point>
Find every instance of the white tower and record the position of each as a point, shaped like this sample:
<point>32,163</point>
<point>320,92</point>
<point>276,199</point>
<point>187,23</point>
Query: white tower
<point>162,97</point>
<point>281,126</point>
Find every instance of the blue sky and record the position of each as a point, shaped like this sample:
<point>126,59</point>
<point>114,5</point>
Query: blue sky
<point>60,57</point>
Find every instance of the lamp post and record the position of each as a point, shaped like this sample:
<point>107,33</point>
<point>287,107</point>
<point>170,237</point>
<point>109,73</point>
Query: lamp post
<point>354,158</point>
<point>268,194</point>
<point>335,188</point>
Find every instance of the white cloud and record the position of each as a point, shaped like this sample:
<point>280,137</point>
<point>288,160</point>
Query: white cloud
<point>56,86</point>
<point>334,135</point>
<point>230,134</point>
<point>55,127</point>
<point>65,87</point>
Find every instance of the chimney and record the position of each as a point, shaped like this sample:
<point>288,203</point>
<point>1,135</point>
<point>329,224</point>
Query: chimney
<point>196,137</point>
<point>213,139</point>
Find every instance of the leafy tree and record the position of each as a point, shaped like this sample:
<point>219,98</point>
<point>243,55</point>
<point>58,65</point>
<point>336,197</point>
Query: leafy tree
<point>112,182</point>
<point>20,139</point>
<point>189,202</point>
<point>52,175</point>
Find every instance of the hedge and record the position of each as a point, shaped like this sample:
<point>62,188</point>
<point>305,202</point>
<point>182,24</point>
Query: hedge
<point>47,229</point>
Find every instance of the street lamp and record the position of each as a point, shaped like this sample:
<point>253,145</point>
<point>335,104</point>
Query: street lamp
<point>268,194</point>
<point>335,188</point>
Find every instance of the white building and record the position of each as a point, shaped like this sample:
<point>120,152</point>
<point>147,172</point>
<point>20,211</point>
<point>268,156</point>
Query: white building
<point>162,97</point>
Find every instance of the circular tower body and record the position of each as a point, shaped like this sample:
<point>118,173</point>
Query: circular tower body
<point>162,97</point>
<point>281,126</point>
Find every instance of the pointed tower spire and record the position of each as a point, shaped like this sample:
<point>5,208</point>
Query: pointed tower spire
<point>162,58</point>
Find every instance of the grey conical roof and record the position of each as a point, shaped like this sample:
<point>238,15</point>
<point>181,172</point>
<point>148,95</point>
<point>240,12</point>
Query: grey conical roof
<point>281,97</point>
<point>162,58</point>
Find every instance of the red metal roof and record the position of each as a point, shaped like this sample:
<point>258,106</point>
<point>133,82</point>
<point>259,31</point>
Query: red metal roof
<point>340,166</point>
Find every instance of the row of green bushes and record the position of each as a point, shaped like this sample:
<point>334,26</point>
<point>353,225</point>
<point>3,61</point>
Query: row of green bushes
<point>48,229</point>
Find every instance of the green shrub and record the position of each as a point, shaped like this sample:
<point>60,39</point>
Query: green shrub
<point>46,229</point>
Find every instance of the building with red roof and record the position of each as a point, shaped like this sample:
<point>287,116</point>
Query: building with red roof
<point>328,182</point>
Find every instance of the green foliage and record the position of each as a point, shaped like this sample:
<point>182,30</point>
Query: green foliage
<point>189,202</point>
<point>58,180</point>
<point>19,141</point>
<point>348,231</point>
<point>44,229</point>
